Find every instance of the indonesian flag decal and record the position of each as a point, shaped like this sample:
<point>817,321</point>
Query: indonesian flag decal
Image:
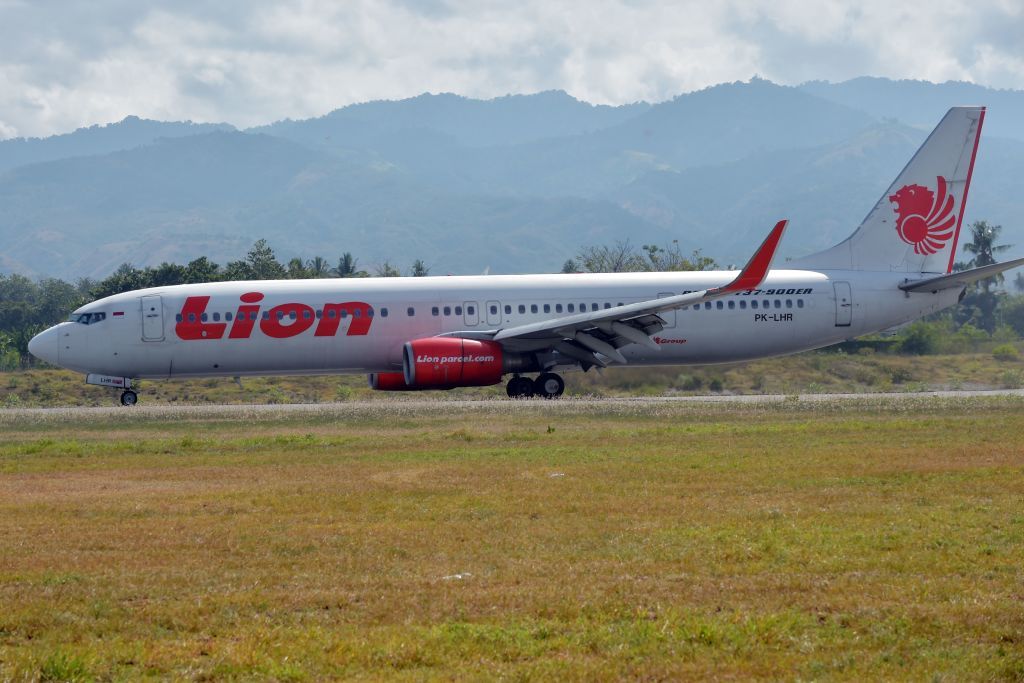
<point>924,218</point>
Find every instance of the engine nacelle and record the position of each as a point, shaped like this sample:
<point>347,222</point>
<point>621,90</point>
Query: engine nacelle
<point>390,381</point>
<point>447,362</point>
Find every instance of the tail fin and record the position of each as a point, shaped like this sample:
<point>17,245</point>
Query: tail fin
<point>915,226</point>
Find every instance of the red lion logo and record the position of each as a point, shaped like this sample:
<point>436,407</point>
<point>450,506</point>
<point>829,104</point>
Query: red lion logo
<point>922,219</point>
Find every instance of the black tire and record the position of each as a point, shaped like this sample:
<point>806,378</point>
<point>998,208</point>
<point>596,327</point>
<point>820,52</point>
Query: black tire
<point>519,387</point>
<point>548,385</point>
<point>129,398</point>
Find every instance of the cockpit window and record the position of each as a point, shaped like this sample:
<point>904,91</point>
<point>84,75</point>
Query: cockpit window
<point>88,318</point>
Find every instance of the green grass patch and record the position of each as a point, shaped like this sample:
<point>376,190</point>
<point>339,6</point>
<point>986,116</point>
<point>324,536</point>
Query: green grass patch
<point>868,539</point>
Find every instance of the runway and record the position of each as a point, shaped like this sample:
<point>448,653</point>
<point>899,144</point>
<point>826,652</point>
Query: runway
<point>403,405</point>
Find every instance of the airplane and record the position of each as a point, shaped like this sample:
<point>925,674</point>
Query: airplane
<point>446,332</point>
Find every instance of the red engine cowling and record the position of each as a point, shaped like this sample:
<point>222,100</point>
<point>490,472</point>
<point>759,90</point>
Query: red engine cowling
<point>448,362</point>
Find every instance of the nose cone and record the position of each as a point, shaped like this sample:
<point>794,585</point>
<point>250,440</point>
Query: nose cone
<point>45,345</point>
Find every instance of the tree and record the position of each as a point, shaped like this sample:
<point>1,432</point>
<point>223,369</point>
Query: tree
<point>618,258</point>
<point>979,305</point>
<point>387,270</point>
<point>297,269</point>
<point>419,268</point>
<point>318,267</point>
<point>262,262</point>
<point>201,269</point>
<point>348,266</point>
<point>622,257</point>
<point>660,259</point>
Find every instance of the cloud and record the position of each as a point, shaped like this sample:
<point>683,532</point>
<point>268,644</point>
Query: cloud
<point>69,65</point>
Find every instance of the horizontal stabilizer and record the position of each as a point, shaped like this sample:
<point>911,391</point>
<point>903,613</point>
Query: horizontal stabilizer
<point>959,279</point>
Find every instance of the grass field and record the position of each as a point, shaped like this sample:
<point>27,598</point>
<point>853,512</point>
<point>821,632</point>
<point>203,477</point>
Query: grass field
<point>862,539</point>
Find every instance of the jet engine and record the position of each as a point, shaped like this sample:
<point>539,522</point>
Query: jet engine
<point>445,363</point>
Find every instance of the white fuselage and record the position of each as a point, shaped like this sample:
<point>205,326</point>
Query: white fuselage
<point>332,326</point>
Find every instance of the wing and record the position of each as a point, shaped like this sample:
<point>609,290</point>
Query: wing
<point>587,337</point>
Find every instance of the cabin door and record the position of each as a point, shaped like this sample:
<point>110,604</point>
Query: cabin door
<point>152,318</point>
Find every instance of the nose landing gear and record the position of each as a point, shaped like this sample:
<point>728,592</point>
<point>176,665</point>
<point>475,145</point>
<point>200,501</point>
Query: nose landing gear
<point>547,385</point>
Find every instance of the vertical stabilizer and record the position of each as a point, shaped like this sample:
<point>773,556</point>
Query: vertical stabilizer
<point>915,226</point>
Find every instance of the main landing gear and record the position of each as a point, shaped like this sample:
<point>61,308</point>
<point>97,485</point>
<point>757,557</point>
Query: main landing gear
<point>129,398</point>
<point>547,385</point>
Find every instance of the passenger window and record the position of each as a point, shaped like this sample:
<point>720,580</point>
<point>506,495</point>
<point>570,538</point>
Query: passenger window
<point>458,310</point>
<point>753,304</point>
<point>547,308</point>
<point>358,313</point>
<point>280,315</point>
<point>799,303</point>
<point>177,318</point>
<point>732,305</point>
<point>228,317</point>
<point>594,307</point>
<point>494,310</point>
<point>522,308</point>
<point>434,311</point>
<point>707,305</point>
<point>558,308</point>
<point>533,308</point>
<point>203,317</point>
<point>743,303</point>
<point>789,303</point>
<point>216,317</point>
<point>571,308</point>
<point>508,310</point>
<point>719,305</point>
<point>293,315</point>
<point>266,315</point>
<point>319,313</point>
<point>471,310</point>
<point>447,310</point>
<point>332,313</point>
<point>191,318</point>
<point>410,311</point>
<point>306,315</point>
<point>778,303</point>
<point>607,305</point>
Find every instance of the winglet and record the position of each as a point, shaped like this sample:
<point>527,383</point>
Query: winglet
<point>757,267</point>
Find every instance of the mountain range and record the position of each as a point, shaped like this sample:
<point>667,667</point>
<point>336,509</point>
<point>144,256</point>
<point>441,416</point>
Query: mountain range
<point>513,184</point>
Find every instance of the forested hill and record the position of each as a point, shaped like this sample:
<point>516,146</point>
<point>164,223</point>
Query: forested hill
<point>514,184</point>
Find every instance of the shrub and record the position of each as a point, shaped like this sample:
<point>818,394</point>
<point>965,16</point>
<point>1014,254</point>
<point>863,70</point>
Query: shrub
<point>920,338</point>
<point>1006,352</point>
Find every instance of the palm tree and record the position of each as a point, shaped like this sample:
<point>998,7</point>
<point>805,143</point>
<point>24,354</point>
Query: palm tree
<point>318,267</point>
<point>979,305</point>
<point>983,246</point>
<point>347,267</point>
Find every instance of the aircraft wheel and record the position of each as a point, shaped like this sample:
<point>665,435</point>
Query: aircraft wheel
<point>519,387</point>
<point>548,385</point>
<point>129,398</point>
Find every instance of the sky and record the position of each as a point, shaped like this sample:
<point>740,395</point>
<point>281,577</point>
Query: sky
<point>65,65</point>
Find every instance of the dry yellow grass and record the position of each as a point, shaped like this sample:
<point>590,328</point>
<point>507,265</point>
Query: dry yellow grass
<point>871,539</point>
